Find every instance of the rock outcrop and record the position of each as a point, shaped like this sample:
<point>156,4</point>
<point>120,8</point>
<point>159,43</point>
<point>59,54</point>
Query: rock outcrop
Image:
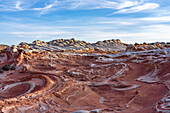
<point>131,81</point>
<point>3,47</point>
<point>77,45</point>
<point>145,46</point>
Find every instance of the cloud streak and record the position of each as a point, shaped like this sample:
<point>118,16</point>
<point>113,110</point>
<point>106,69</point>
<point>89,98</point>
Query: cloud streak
<point>156,19</point>
<point>146,6</point>
<point>129,31</point>
<point>123,6</point>
<point>44,8</point>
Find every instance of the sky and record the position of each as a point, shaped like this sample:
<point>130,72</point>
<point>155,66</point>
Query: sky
<point>89,20</point>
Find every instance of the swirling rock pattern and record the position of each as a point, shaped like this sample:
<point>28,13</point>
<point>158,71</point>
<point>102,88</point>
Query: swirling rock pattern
<point>65,82</point>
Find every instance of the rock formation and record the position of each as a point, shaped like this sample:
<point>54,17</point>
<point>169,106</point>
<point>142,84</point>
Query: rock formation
<point>3,47</point>
<point>36,81</point>
<point>77,45</point>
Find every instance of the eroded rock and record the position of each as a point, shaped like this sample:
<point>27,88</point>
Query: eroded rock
<point>55,81</point>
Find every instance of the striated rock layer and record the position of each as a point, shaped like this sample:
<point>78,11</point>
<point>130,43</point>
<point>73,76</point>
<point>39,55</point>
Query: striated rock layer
<point>65,82</point>
<point>77,45</point>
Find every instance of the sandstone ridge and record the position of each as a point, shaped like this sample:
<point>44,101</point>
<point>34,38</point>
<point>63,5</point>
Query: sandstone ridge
<point>113,45</point>
<point>77,45</point>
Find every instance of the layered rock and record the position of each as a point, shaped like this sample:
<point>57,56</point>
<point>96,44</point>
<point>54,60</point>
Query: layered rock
<point>145,46</point>
<point>76,45</point>
<point>34,81</point>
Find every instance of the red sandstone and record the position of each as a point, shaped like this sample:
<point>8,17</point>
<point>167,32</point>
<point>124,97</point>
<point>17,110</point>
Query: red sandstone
<point>61,82</point>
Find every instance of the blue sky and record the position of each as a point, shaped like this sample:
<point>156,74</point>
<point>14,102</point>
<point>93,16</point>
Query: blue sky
<point>90,20</point>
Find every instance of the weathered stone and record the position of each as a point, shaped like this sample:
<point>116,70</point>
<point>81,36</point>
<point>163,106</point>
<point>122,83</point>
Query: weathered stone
<point>73,39</point>
<point>100,42</point>
<point>67,42</point>
<point>118,40</point>
<point>130,47</point>
<point>62,40</point>
<point>23,43</point>
<point>61,45</point>
<point>110,41</point>
<point>114,40</point>
<point>159,45</point>
<point>38,42</point>
<point>64,43</point>
<point>139,49</point>
<point>106,41</point>
<point>144,43</point>
<point>102,81</point>
<point>136,44</point>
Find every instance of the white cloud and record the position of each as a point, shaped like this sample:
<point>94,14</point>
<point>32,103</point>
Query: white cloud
<point>138,33</point>
<point>44,8</point>
<point>89,4</point>
<point>136,22</point>
<point>146,6</point>
<point>60,27</point>
<point>100,4</point>
<point>88,28</point>
<point>125,4</point>
<point>120,22</point>
<point>157,19</point>
<point>17,6</point>
<point>68,4</point>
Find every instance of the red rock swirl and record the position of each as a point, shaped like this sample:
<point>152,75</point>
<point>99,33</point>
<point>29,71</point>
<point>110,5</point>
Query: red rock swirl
<point>65,82</point>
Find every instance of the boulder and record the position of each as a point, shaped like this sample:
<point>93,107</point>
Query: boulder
<point>65,44</point>
<point>61,45</point>
<point>99,42</point>
<point>23,43</point>
<point>130,47</point>
<point>114,40</point>
<point>118,40</point>
<point>73,39</point>
<point>38,42</point>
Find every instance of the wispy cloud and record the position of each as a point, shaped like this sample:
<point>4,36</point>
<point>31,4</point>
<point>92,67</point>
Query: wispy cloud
<point>99,4</point>
<point>146,6</point>
<point>92,4</point>
<point>117,22</point>
<point>44,8</point>
<point>84,19</point>
<point>130,5</point>
<point>129,31</point>
<point>156,19</point>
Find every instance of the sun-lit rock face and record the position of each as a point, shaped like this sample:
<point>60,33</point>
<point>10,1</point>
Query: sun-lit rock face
<point>66,82</point>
